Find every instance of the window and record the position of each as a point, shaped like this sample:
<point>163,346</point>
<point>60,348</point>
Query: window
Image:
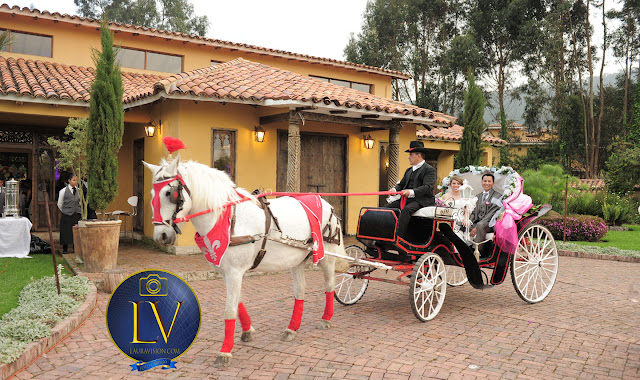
<point>147,60</point>
<point>25,43</point>
<point>344,83</point>
<point>223,155</point>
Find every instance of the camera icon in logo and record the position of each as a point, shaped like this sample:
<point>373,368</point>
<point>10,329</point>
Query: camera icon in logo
<point>154,285</point>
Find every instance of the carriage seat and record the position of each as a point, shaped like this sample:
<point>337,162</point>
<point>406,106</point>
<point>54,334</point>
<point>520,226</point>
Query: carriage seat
<point>434,211</point>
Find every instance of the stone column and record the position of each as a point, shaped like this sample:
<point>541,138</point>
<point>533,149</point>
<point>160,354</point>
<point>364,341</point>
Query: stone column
<point>394,155</point>
<point>293,159</point>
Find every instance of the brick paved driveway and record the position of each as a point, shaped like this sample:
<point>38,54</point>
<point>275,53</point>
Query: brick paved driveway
<point>588,327</point>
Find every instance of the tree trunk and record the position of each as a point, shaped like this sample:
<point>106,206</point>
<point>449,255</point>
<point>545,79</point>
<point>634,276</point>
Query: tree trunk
<point>590,116</point>
<point>627,73</point>
<point>601,113</point>
<point>582,100</point>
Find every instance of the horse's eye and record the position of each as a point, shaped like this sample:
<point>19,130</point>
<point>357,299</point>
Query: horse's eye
<point>168,193</point>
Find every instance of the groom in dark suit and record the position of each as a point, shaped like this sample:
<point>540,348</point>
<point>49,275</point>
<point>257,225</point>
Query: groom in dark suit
<point>487,205</point>
<point>417,185</point>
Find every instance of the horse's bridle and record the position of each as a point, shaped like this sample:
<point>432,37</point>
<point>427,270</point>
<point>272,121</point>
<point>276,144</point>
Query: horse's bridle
<point>175,197</point>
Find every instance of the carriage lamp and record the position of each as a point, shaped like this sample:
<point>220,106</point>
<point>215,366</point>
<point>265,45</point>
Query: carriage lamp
<point>259,131</point>
<point>151,128</point>
<point>465,190</point>
<point>11,197</point>
<point>368,141</point>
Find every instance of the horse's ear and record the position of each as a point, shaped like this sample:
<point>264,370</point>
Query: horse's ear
<point>172,169</point>
<point>152,167</point>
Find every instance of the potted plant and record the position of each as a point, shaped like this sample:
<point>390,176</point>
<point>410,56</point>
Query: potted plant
<point>72,157</point>
<point>104,138</point>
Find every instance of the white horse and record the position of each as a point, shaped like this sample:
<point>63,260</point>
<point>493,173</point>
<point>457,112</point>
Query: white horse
<point>182,189</point>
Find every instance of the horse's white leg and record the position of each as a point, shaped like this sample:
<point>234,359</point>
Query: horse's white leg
<point>233,283</point>
<point>298,291</point>
<point>327,265</point>
<point>245,321</point>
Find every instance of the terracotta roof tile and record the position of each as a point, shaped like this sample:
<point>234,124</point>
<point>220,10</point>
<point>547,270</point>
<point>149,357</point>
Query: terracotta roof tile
<point>49,80</point>
<point>245,80</point>
<point>234,80</point>
<point>200,40</point>
<point>454,134</point>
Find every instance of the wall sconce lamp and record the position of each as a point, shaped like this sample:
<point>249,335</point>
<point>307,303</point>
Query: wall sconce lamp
<point>259,131</point>
<point>368,141</point>
<point>151,128</point>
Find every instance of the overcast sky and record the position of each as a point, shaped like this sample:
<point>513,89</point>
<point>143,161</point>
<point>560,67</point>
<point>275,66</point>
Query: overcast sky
<point>318,28</point>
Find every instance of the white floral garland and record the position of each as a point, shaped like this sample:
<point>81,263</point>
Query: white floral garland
<point>510,180</point>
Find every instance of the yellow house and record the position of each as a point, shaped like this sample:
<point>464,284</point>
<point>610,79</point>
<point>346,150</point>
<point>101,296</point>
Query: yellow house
<point>444,143</point>
<point>519,140</point>
<point>215,96</point>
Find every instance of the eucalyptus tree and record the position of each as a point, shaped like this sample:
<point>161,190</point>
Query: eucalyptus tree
<point>626,44</point>
<point>414,36</point>
<point>171,15</point>
<point>506,32</point>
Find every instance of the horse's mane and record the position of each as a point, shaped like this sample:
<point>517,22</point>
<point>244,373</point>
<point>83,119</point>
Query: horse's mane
<point>210,188</point>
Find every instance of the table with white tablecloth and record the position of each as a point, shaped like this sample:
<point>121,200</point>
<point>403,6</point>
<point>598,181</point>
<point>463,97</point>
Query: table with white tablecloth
<point>15,237</point>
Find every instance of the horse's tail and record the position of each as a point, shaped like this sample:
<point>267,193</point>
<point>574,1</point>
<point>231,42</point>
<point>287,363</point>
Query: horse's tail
<point>335,226</point>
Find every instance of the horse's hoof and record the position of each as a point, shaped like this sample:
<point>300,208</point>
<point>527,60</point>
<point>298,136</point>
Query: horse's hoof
<point>247,336</point>
<point>324,324</point>
<point>288,335</point>
<point>222,360</point>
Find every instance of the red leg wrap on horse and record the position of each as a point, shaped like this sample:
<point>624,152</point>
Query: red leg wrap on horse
<point>243,316</point>
<point>296,318</point>
<point>229,330</point>
<point>328,306</point>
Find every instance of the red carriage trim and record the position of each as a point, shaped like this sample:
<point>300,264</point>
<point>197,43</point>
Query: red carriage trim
<point>377,238</point>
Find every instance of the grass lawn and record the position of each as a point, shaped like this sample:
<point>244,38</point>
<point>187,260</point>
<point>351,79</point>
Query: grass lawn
<point>619,239</point>
<point>16,273</point>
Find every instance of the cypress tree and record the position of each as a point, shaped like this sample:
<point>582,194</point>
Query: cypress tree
<point>106,124</point>
<point>471,144</point>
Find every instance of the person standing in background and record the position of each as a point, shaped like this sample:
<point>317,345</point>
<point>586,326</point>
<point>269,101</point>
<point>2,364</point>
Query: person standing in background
<point>69,205</point>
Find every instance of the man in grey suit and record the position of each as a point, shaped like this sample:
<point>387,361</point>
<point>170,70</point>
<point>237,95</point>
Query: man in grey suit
<point>488,203</point>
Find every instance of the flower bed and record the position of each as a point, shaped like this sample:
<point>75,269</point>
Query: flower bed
<point>579,227</point>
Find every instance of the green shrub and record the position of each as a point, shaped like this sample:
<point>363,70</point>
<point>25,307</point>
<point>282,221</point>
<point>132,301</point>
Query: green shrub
<point>585,203</point>
<point>579,227</point>
<point>547,185</point>
<point>40,308</point>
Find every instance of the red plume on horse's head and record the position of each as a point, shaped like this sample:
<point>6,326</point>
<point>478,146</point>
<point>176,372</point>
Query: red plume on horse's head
<point>172,144</point>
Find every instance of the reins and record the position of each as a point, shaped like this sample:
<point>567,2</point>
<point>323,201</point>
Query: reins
<point>244,199</point>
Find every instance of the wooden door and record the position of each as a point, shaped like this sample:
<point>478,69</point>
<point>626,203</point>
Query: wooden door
<point>138,183</point>
<point>322,166</point>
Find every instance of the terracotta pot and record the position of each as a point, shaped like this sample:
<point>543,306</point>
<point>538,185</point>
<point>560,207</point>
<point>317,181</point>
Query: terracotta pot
<point>100,242</point>
<point>77,243</point>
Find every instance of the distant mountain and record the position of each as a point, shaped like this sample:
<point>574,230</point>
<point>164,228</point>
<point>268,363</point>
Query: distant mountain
<point>514,109</point>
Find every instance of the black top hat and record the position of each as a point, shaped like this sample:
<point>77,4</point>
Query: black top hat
<point>417,146</point>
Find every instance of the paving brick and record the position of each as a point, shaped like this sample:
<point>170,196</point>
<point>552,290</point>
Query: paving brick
<point>572,334</point>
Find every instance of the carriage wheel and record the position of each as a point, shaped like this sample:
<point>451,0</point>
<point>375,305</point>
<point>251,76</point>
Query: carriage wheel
<point>456,275</point>
<point>428,286</point>
<point>534,266</point>
<point>350,289</point>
